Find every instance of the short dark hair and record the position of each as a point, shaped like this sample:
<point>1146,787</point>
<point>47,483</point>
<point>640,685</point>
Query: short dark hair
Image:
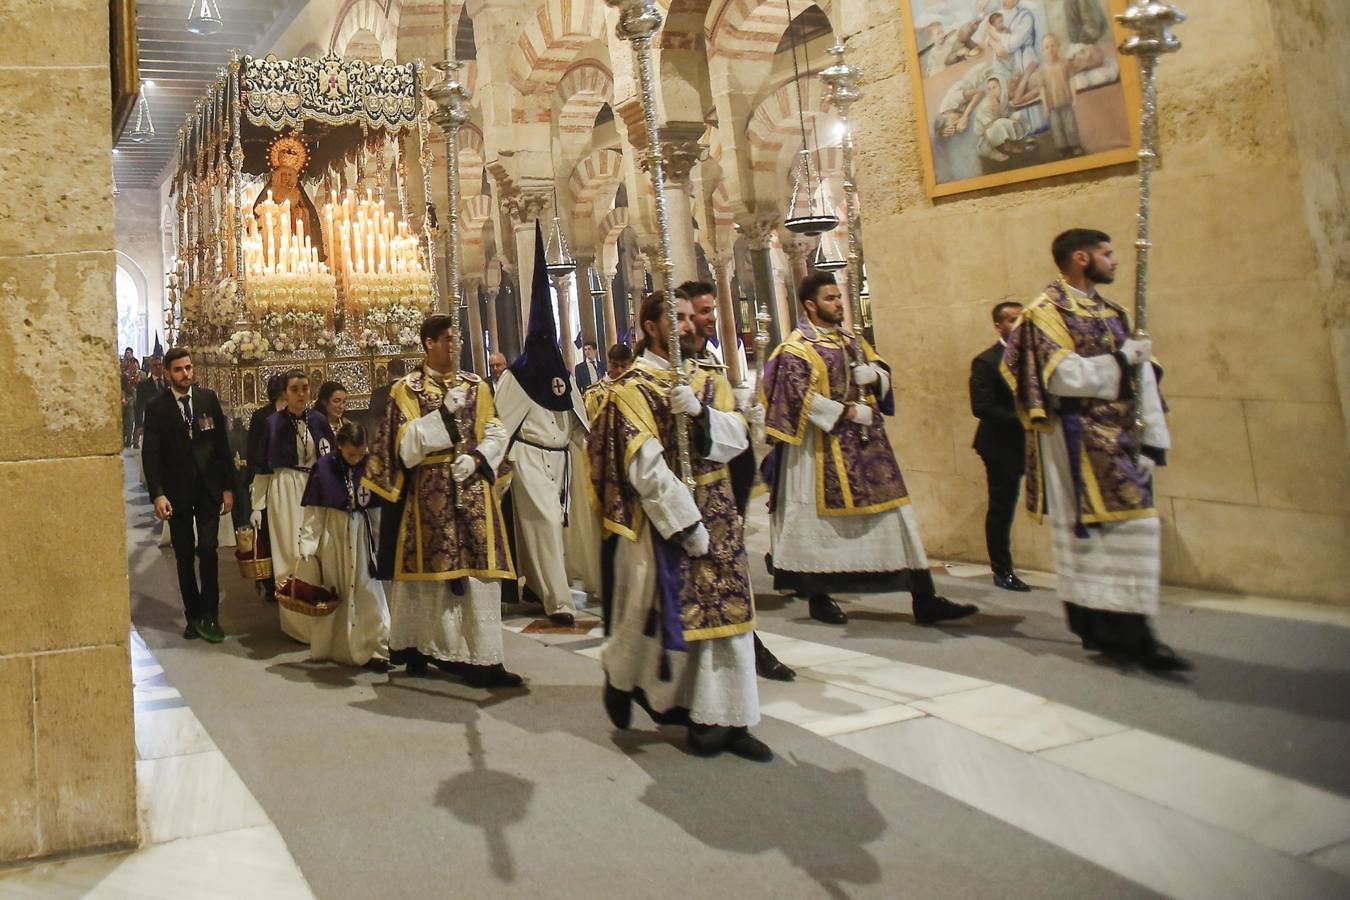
<point>326,392</point>
<point>811,285</point>
<point>175,354</point>
<point>290,375</point>
<point>276,383</point>
<point>397,367</point>
<point>592,344</point>
<point>620,353</point>
<point>1067,243</point>
<point>1000,306</point>
<point>433,326</point>
<point>698,288</point>
<point>353,434</point>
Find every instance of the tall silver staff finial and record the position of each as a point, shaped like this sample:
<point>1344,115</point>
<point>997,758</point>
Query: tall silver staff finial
<point>844,92</point>
<point>451,97</point>
<point>1151,22</point>
<point>639,21</point>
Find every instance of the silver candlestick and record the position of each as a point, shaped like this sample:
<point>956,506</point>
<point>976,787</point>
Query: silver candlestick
<point>638,22</point>
<point>451,98</point>
<point>844,92</point>
<point>1151,24</point>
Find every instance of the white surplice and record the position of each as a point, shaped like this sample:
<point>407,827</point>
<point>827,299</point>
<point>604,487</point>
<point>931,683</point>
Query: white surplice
<point>714,679</point>
<point>280,494</point>
<point>428,615</point>
<point>803,540</point>
<point>1117,567</point>
<point>358,630</point>
<point>540,479</point>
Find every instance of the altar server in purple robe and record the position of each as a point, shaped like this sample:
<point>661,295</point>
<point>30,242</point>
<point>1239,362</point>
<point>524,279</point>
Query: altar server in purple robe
<point>840,517</point>
<point>678,585</point>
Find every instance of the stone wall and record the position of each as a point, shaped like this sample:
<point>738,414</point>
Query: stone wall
<point>1248,300</point>
<point>67,758</point>
<point>137,224</point>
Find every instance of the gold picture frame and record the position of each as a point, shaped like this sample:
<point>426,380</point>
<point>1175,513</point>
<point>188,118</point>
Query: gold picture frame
<point>970,142</point>
<point>124,63</point>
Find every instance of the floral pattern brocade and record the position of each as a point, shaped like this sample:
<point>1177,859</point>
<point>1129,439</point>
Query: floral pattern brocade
<point>447,530</point>
<point>716,599</point>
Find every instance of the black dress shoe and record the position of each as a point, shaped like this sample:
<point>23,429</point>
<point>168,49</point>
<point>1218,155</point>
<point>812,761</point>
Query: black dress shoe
<point>1010,582</point>
<point>824,609</point>
<point>708,740</point>
<point>189,633</point>
<point>417,668</point>
<point>769,666</point>
<point>931,610</point>
<point>747,746</point>
<point>491,676</point>
<point>562,619</point>
<point>618,706</point>
<point>1163,658</point>
<point>378,665</point>
<point>676,715</point>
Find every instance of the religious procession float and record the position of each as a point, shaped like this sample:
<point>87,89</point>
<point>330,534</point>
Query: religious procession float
<point>295,244</point>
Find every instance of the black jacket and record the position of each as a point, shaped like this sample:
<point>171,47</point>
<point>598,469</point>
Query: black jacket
<point>581,373</point>
<point>187,468</point>
<point>1000,431</point>
<point>147,391</point>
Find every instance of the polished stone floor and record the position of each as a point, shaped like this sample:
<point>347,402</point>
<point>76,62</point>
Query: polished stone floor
<point>989,758</point>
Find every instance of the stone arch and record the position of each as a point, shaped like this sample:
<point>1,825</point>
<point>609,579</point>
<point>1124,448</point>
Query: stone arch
<point>552,39</point>
<point>471,159</point>
<point>379,17</point>
<point>583,91</point>
<point>608,231</point>
<point>751,29</point>
<point>596,175</point>
<point>774,130</point>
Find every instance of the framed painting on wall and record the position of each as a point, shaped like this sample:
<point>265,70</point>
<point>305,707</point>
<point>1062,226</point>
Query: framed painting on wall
<point>124,62</point>
<point>1015,90</point>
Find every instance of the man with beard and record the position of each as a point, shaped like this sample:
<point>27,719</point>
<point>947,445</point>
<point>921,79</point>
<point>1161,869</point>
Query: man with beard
<point>703,302</point>
<point>1081,383</point>
<point>678,585</point>
<point>840,519</point>
<point>437,452</point>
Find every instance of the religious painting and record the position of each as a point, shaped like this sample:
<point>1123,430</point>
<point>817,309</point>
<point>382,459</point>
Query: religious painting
<point>1014,90</point>
<point>123,63</point>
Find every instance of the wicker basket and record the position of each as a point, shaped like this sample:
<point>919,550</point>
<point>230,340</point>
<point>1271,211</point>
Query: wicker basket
<point>305,599</point>
<point>254,559</point>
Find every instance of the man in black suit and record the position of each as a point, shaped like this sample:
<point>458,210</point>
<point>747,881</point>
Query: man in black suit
<point>148,390</point>
<point>588,371</point>
<point>189,474</point>
<point>1001,443</point>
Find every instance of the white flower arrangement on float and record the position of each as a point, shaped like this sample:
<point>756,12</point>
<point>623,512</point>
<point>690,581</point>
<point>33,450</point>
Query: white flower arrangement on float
<point>407,337</point>
<point>326,340</point>
<point>283,343</point>
<point>369,339</point>
<point>243,345</point>
<point>220,303</point>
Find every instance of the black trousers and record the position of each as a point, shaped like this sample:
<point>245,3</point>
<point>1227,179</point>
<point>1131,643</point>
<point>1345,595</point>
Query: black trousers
<point>1003,473</point>
<point>201,598</point>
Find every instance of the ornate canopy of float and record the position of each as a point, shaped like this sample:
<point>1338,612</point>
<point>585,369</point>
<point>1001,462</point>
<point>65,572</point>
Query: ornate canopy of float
<point>295,244</point>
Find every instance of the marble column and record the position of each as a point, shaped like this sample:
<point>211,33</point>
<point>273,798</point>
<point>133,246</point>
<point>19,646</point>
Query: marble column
<point>611,323</point>
<point>585,299</point>
<point>680,155</point>
<point>475,323</point>
<point>797,250</point>
<point>525,208</point>
<point>563,285</point>
<point>759,238</point>
<point>637,290</point>
<point>726,318</point>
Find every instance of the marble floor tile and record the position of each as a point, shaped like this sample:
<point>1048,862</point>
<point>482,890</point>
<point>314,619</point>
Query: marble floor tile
<point>1268,808</point>
<point>187,796</point>
<point>966,570</point>
<point>170,732</point>
<point>1017,718</point>
<point>800,654</point>
<point>861,721</point>
<point>247,863</point>
<point>591,652</point>
<point>804,702</point>
<point>1335,858</point>
<point>898,681</point>
<point>1157,847</point>
<point>142,693</point>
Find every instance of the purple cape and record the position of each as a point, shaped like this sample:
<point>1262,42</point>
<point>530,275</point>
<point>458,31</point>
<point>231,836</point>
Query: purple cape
<point>327,485</point>
<point>281,437</point>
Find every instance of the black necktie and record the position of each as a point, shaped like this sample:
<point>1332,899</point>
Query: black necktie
<point>186,401</point>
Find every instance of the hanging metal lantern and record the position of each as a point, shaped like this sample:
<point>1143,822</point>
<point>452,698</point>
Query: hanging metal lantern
<point>143,131</point>
<point>805,216</point>
<point>597,287</point>
<point>827,258</point>
<point>204,17</point>
<point>558,259</point>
